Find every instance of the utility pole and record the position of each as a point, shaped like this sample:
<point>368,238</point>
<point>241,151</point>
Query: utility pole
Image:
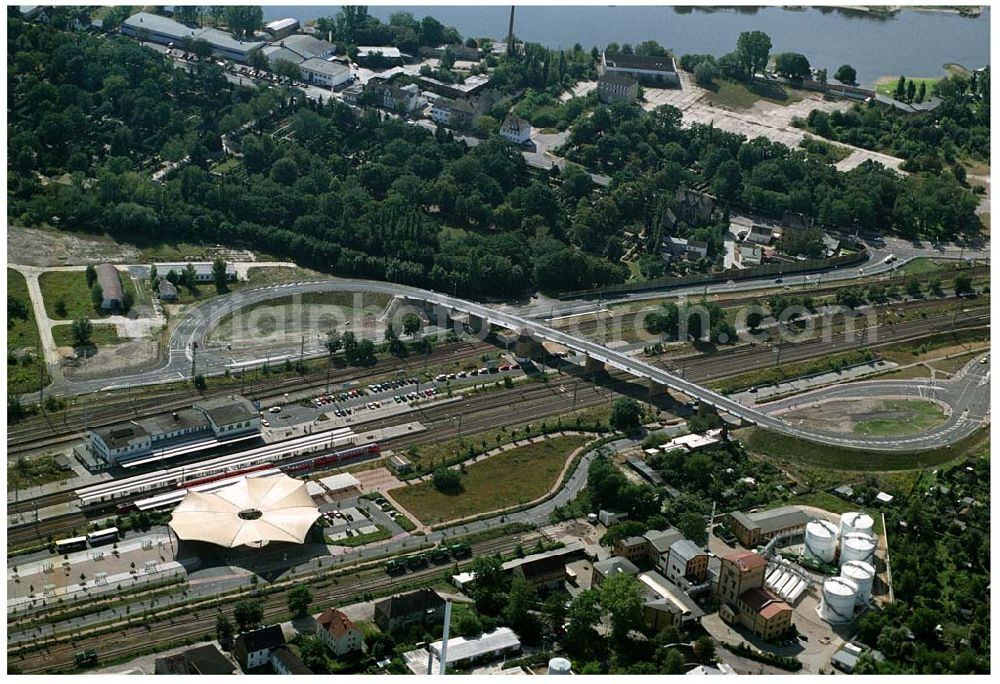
<point>510,35</point>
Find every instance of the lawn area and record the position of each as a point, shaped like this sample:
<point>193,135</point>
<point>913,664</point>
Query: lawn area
<point>71,287</point>
<point>886,85</point>
<point>509,479</point>
<point>776,374</point>
<point>103,334</point>
<point>829,457</point>
<point>319,310</point>
<point>362,539</point>
<point>272,275</point>
<point>919,266</point>
<point>741,96</point>
<point>22,335</point>
<point>903,417</point>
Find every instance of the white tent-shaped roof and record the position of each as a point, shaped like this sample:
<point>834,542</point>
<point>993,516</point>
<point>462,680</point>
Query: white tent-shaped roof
<point>251,512</point>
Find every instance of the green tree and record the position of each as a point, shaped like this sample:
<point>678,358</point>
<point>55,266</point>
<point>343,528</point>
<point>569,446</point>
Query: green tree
<point>673,662</point>
<point>314,654</point>
<point>922,92</point>
<point>154,277</point>
<point>411,324</point>
<point>705,74</point>
<point>753,48</point>
<point>60,306</point>
<point>333,342</point>
<point>518,611</point>
<point>447,481</point>
<point>82,329</point>
<point>199,382</point>
<point>189,276</point>
<point>201,48</point>
<point>900,92</point>
<point>97,296</point>
<point>248,614</point>
<point>223,629</point>
<point>934,286</point>
<point>582,616</point>
<point>299,598</point>
<point>704,650</point>
<point>257,60</point>
<point>243,20</point>
<point>791,65</point>
<point>286,69</point>
<point>914,289</point>
<point>626,415</point>
<point>219,275</point>
<point>489,590</point>
<point>911,91</point>
<point>91,274</point>
<point>621,597</point>
<point>963,284</point>
<point>693,526</point>
<point>846,74</point>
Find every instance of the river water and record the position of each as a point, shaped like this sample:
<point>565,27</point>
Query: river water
<point>914,43</point>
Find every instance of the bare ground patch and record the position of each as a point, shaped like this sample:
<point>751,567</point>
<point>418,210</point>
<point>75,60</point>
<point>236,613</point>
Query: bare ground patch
<point>875,416</point>
<point>41,247</point>
<point>110,359</point>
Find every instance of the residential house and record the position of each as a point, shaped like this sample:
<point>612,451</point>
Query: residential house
<point>689,249</point>
<point>693,207</point>
<point>204,660</point>
<point>686,562</point>
<point>659,71</point>
<point>460,113</point>
<point>252,650</point>
<point>405,99</point>
<point>632,548</point>
<point>543,572</point>
<point>352,93</point>
<point>615,87</point>
<point>516,130</point>
<point>664,604</point>
<point>752,529</point>
<point>761,235</point>
<point>112,294</point>
<point>657,546</point>
<point>422,606</point>
<point>284,662</point>
<point>615,565</point>
<point>338,632</point>
<point>750,255</point>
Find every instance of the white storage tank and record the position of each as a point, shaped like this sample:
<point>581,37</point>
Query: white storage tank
<point>862,574</point>
<point>856,521</point>
<point>839,597</point>
<point>821,540</point>
<point>560,666</point>
<point>857,546</point>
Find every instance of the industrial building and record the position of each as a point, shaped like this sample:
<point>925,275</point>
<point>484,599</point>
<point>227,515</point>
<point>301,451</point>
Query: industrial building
<point>752,529</point>
<point>279,28</point>
<point>112,294</point>
<point>744,600</point>
<point>659,71</point>
<point>157,29</point>
<point>665,605</point>
<point>464,651</point>
<point>203,270</point>
<point>610,567</point>
<point>325,73</point>
<point>686,563</point>
<point>544,570</point>
<point>613,87</point>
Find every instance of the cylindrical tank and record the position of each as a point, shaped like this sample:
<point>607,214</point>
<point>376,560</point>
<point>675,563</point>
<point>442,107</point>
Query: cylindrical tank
<point>839,596</point>
<point>862,574</point>
<point>560,666</point>
<point>821,540</point>
<point>856,521</point>
<point>857,546</point>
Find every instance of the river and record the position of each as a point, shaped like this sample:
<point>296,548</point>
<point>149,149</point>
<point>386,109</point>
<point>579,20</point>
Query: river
<point>910,42</point>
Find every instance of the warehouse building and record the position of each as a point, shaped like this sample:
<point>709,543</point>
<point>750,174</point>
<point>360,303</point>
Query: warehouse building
<point>203,270</point>
<point>157,29</point>
<point>325,73</point>
<point>279,28</point>
<point>752,529</point>
<point>659,71</point>
<point>112,294</point>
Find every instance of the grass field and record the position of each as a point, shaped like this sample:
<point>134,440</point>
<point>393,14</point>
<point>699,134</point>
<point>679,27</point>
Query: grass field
<point>830,458</point>
<point>740,96</point>
<point>911,416</point>
<point>103,334</point>
<point>920,266</point>
<point>887,85</point>
<point>71,287</point>
<point>31,472</point>
<point>509,479</point>
<point>28,374</point>
<point>312,310</point>
<point>776,374</point>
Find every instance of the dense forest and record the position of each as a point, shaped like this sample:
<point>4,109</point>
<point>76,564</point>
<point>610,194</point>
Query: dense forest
<point>649,150</point>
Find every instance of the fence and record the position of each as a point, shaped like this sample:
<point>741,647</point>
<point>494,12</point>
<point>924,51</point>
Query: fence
<point>666,283</point>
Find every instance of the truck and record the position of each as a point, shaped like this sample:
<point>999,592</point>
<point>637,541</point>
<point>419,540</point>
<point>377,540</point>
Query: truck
<point>460,550</point>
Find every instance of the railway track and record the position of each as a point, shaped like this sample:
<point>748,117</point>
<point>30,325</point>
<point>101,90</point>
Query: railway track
<point>68,427</point>
<point>57,655</point>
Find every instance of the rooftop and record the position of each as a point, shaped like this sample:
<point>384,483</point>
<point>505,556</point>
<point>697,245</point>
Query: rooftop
<point>111,285</point>
<point>410,602</point>
<point>746,560</point>
<point>686,549</point>
<point>262,639</point>
<point>662,540</point>
<point>763,602</point>
<point>291,661</point>
<point>673,598</point>
<point>467,648</point>
<point>158,24</point>
<point>322,66</point>
<point>308,46</point>
<point>622,61</point>
<point>178,420</point>
<point>616,565</point>
<point>335,623</point>
<point>279,24</point>
<point>120,434</point>
<point>386,51</point>
<point>228,410</point>
<point>276,52</point>
<point>221,39</point>
<point>772,520</point>
<point>617,79</point>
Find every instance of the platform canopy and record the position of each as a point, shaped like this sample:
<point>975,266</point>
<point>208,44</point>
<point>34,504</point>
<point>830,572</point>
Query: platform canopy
<point>251,512</point>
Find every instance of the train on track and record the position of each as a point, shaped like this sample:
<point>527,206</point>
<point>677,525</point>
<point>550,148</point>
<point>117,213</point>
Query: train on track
<point>441,554</point>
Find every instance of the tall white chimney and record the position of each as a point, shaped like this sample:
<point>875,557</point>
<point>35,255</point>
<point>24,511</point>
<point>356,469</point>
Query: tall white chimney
<point>444,636</point>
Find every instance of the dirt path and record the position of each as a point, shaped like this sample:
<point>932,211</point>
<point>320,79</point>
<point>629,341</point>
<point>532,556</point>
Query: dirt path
<point>42,320</point>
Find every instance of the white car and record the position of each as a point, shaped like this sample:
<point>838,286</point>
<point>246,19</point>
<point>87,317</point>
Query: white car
<point>275,409</point>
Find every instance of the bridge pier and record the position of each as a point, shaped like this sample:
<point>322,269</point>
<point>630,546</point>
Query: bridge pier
<point>656,389</point>
<point>526,347</point>
<point>592,366</point>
